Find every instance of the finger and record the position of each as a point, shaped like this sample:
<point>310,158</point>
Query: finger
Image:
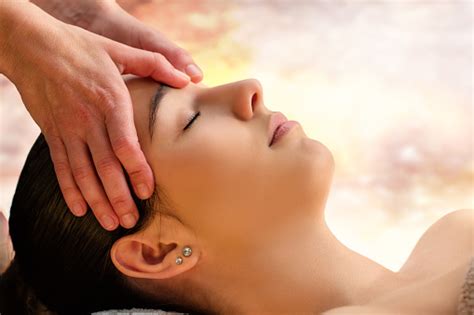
<point>181,60</point>
<point>153,40</point>
<point>110,172</point>
<point>71,193</point>
<point>124,141</point>
<point>89,184</point>
<point>146,64</point>
<point>146,38</point>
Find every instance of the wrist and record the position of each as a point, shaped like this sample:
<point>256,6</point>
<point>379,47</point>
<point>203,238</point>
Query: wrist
<point>10,14</point>
<point>21,25</point>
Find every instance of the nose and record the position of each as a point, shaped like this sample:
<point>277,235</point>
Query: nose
<point>247,98</point>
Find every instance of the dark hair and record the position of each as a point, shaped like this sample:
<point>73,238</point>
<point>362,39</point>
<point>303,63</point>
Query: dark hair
<point>62,263</point>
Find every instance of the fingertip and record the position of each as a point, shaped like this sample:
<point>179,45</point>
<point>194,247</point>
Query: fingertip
<point>177,79</point>
<point>128,220</point>
<point>143,191</point>
<point>194,72</point>
<point>196,79</point>
<point>108,222</point>
<point>183,76</point>
<point>78,209</point>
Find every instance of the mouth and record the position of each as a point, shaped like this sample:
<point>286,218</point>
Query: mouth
<point>276,120</point>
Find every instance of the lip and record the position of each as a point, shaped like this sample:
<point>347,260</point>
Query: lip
<point>276,120</point>
<point>282,130</point>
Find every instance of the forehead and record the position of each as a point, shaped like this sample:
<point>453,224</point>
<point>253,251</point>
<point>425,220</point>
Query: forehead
<point>142,91</point>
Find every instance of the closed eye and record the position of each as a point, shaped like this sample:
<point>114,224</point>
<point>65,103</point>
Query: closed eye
<point>190,122</point>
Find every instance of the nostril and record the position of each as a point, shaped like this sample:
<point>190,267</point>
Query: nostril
<point>254,100</point>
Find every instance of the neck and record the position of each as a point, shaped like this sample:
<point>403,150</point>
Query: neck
<point>306,271</point>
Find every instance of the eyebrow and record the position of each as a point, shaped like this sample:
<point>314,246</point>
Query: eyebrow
<point>154,106</point>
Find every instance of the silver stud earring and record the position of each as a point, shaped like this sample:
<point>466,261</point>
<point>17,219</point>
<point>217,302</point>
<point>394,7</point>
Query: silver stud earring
<point>179,260</point>
<point>187,251</point>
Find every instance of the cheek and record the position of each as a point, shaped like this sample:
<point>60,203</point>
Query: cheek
<point>214,174</point>
<point>228,183</point>
<point>217,165</point>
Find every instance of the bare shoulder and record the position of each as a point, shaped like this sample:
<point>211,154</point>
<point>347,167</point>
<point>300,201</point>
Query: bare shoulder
<point>446,244</point>
<point>458,218</point>
<point>437,263</point>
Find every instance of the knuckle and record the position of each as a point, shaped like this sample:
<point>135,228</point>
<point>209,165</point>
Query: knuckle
<point>53,140</point>
<point>98,206</point>
<point>83,115</point>
<point>180,54</point>
<point>120,203</point>
<point>125,145</point>
<point>69,192</point>
<point>164,71</point>
<point>104,98</point>
<point>82,172</point>
<point>160,59</point>
<point>110,106</point>
<point>61,167</point>
<point>137,173</point>
<point>107,165</point>
<point>47,128</point>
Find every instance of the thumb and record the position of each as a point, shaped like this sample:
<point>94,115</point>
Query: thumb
<point>145,63</point>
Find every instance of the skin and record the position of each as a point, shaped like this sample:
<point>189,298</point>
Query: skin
<point>254,214</point>
<point>67,66</point>
<point>6,248</point>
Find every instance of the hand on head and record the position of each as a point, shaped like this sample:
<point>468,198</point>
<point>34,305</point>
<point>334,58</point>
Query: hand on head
<point>70,82</point>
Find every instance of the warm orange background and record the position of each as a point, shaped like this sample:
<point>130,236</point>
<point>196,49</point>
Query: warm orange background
<point>385,85</point>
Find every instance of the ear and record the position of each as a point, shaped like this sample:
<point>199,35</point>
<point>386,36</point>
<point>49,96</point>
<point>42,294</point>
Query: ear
<point>143,255</point>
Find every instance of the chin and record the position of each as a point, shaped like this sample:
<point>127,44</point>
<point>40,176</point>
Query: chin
<point>318,153</point>
<point>319,166</point>
<point>308,172</point>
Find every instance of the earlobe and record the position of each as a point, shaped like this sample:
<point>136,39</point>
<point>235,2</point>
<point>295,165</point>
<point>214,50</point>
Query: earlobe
<point>137,257</point>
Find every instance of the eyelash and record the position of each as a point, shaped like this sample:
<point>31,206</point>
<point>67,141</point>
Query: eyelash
<point>190,121</point>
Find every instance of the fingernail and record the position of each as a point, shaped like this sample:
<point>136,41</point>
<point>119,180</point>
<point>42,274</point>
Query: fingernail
<point>128,220</point>
<point>182,75</point>
<point>78,209</point>
<point>193,71</point>
<point>108,222</point>
<point>143,191</point>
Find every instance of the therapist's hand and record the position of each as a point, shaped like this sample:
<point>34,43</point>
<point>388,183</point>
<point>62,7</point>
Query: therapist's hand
<point>108,19</point>
<point>70,82</point>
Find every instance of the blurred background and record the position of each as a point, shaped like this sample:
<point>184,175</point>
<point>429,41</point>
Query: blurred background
<point>385,85</point>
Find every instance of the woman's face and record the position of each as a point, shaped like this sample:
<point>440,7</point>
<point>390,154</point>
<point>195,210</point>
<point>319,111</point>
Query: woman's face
<point>221,175</point>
